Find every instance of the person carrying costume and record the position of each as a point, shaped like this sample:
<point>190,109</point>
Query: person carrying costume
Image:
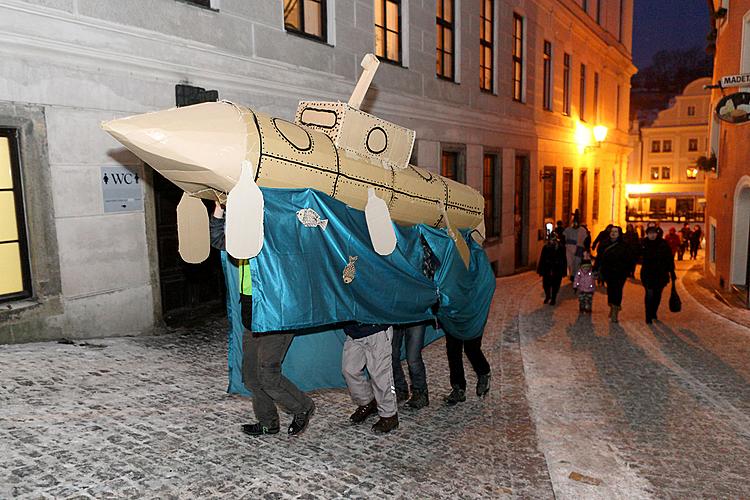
<point>585,285</point>
<point>551,267</point>
<point>614,260</point>
<point>262,355</point>
<point>657,268</point>
<point>369,347</point>
<point>413,336</point>
<point>455,348</point>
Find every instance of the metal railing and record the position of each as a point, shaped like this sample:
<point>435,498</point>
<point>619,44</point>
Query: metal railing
<point>637,216</point>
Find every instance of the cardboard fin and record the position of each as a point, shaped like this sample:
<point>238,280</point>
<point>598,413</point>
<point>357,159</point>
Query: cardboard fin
<point>455,234</point>
<point>194,241</point>
<point>244,216</point>
<point>379,224</point>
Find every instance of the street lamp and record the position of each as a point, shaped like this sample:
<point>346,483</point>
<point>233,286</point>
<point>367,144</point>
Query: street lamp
<point>600,134</point>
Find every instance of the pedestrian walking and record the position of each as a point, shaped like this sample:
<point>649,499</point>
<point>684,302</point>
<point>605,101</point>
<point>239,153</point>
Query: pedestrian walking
<point>614,265</point>
<point>585,285</point>
<point>575,242</point>
<point>685,233</point>
<point>657,268</point>
<point>552,268</point>
<point>673,240</point>
<point>695,241</point>
<point>633,244</point>
<point>368,347</point>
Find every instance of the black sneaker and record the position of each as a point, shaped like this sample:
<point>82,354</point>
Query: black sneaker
<point>300,421</point>
<point>483,385</point>
<point>258,429</point>
<point>385,425</point>
<point>457,395</point>
<point>363,412</point>
<point>419,399</point>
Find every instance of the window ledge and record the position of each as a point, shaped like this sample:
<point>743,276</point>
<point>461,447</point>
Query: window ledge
<point>18,305</point>
<point>312,38</point>
<point>188,2</point>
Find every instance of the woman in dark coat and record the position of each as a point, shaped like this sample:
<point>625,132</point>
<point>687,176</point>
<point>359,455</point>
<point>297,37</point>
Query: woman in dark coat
<point>552,267</point>
<point>614,261</point>
<point>633,244</point>
<point>657,268</point>
<point>695,242</point>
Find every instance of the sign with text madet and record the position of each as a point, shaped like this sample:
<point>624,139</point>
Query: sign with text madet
<point>121,189</point>
<point>734,108</point>
<point>742,80</point>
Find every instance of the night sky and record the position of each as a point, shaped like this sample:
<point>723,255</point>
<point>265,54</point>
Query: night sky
<point>667,24</point>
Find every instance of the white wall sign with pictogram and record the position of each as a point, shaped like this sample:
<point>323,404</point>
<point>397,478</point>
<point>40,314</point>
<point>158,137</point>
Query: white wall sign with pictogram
<point>121,189</point>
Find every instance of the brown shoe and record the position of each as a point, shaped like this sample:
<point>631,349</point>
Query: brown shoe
<point>385,425</point>
<point>361,413</point>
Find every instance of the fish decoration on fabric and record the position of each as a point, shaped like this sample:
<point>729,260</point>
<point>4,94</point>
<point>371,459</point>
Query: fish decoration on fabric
<point>310,218</point>
<point>349,271</point>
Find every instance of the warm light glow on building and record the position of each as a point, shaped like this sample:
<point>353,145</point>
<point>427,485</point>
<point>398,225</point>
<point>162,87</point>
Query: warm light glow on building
<point>582,136</point>
<point>638,188</point>
<point>600,133</point>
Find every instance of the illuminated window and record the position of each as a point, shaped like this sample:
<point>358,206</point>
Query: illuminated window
<point>691,110</point>
<point>666,146</point>
<point>517,58</point>
<point>595,202</point>
<point>666,173</point>
<point>486,46</point>
<point>445,43</point>
<point>491,191</point>
<point>655,173</point>
<point>306,17</point>
<point>388,30</point>
<point>567,194</point>
<point>596,97</point>
<point>549,188</point>
<point>658,205</point>
<point>582,95</point>
<point>692,144</point>
<point>566,84</point>
<point>547,95</point>
<point>655,146</point>
<point>692,173</point>
<point>14,268</point>
<point>451,166</point>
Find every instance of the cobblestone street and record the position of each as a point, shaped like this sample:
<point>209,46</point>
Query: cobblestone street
<point>639,411</point>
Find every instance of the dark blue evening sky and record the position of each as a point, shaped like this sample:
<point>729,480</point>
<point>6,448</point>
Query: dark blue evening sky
<point>667,24</point>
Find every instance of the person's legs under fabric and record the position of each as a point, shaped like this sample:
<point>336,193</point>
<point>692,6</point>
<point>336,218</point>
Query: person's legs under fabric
<point>353,363</point>
<point>377,360</point>
<point>473,350</point>
<point>417,372</point>
<point>263,405</point>
<point>279,388</point>
<point>399,379</point>
<point>454,350</point>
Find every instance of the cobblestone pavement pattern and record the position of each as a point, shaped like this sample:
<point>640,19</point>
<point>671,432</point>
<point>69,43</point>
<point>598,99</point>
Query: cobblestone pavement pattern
<point>628,410</point>
<point>146,418</point>
<point>651,411</point>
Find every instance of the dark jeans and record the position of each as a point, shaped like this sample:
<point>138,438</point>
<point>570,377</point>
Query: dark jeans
<point>414,336</point>
<point>551,286</point>
<point>261,373</point>
<point>653,299</point>
<point>473,350</point>
<point>614,290</point>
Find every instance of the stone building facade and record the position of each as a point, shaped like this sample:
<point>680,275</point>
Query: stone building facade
<point>513,120</point>
<point>728,188</point>
<point>664,182</point>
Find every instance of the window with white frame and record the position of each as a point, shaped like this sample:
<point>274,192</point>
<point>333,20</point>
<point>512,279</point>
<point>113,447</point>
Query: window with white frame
<point>486,45</point>
<point>388,30</point>
<point>445,44</point>
<point>306,17</point>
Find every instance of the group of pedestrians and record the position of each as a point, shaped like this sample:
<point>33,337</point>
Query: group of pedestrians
<point>567,253</point>
<point>371,364</point>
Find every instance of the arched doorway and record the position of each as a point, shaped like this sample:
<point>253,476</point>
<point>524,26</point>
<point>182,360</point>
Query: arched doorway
<point>741,237</point>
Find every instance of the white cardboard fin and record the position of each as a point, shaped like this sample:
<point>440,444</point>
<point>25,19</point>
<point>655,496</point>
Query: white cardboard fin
<point>193,238</point>
<point>244,216</point>
<point>379,224</point>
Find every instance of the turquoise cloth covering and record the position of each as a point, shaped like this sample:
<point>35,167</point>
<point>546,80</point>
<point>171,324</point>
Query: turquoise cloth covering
<point>298,285</point>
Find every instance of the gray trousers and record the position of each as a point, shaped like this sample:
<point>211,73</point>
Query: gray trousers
<point>374,353</point>
<point>261,373</point>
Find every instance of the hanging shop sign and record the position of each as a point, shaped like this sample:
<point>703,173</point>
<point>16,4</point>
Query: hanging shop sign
<point>734,108</point>
<point>742,80</point>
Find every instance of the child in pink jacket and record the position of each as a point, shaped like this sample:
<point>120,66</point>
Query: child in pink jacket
<point>585,284</point>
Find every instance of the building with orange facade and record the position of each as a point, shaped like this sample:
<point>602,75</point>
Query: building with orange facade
<point>728,184</point>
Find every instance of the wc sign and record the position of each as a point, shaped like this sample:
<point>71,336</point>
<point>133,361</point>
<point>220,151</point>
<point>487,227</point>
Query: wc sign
<point>121,189</point>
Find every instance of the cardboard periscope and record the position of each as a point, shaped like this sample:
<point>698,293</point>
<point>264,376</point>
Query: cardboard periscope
<point>332,147</point>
